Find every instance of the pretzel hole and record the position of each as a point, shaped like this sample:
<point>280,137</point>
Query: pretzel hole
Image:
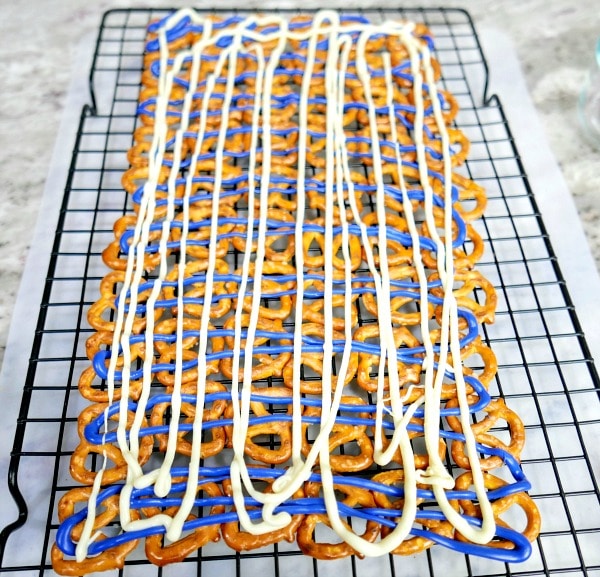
<point>325,534</point>
<point>418,445</point>
<point>339,313</point>
<point>474,362</point>
<point>350,448</point>
<point>466,204</point>
<point>314,247</point>
<point>359,526</point>
<point>502,434</point>
<point>312,432</point>
<point>515,517</point>
<point>308,373</point>
<point>279,243</point>
<point>336,362</point>
<point>112,529</point>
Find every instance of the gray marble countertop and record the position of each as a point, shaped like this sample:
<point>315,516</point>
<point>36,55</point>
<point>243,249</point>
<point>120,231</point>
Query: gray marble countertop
<point>554,40</point>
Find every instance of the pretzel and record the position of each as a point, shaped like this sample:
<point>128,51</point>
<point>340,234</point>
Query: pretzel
<point>340,436</point>
<point>277,429</point>
<point>520,500</point>
<point>197,290</point>
<point>268,365</point>
<point>473,280</point>
<point>113,558</point>
<point>415,544</point>
<point>313,309</point>
<point>208,448</point>
<point>207,261</point>
<point>314,362</point>
<point>162,554</point>
<point>401,309</point>
<point>407,373</point>
<point>325,550</point>
<point>97,311</point>
<point>240,540</point>
<point>78,468</point>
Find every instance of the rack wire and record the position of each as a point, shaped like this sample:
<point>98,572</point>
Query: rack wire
<point>545,368</point>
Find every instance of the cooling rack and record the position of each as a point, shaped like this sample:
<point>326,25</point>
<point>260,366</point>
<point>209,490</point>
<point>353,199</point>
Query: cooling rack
<point>545,368</point>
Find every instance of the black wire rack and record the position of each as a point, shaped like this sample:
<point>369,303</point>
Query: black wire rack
<point>545,368</point>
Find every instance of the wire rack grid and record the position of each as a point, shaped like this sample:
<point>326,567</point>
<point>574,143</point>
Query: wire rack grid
<point>545,369</point>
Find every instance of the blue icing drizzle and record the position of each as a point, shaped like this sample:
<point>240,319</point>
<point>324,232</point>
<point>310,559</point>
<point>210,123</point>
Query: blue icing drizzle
<point>142,498</point>
<point>95,436</point>
<point>409,355</point>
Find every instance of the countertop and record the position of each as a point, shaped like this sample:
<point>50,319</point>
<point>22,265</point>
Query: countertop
<point>554,40</point>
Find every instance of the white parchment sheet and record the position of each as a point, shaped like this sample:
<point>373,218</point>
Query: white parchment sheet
<point>575,261</point>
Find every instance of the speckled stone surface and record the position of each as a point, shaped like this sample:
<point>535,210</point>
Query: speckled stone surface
<point>554,40</point>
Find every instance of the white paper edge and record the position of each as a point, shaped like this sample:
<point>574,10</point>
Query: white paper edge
<point>26,311</point>
<point>551,192</point>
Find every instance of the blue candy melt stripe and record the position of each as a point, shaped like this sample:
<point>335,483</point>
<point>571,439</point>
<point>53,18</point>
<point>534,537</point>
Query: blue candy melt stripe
<point>141,498</point>
<point>94,435</point>
<point>276,228</point>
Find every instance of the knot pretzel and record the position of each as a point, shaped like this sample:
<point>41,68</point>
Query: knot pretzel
<point>196,290</point>
<point>265,365</point>
<point>313,309</point>
<point>78,465</point>
<point>403,308</point>
<point>307,540</point>
<point>500,506</point>
<point>367,363</point>
<point>208,448</point>
<point>113,558</point>
<point>278,432</point>
<point>496,410</point>
<point>240,540</point>
<point>104,306</point>
<point>313,363</point>
<point>417,543</point>
<point>341,437</point>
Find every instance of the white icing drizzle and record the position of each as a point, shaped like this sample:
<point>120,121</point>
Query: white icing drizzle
<point>239,470</point>
<point>337,178</point>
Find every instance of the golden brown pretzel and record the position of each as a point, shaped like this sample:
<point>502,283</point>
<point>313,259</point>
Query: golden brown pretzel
<point>162,554</point>
<point>282,430</point>
<point>499,506</point>
<point>113,558</point>
<point>313,308</point>
<point>101,308</point>
<point>314,362</point>
<point>496,410</point>
<point>341,435</point>
<point>197,290</point>
<point>265,365</point>
<point>353,496</point>
<point>78,466</point>
<point>415,544</point>
<point>368,363</point>
<point>403,308</point>
<point>471,280</point>
<point>208,447</point>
